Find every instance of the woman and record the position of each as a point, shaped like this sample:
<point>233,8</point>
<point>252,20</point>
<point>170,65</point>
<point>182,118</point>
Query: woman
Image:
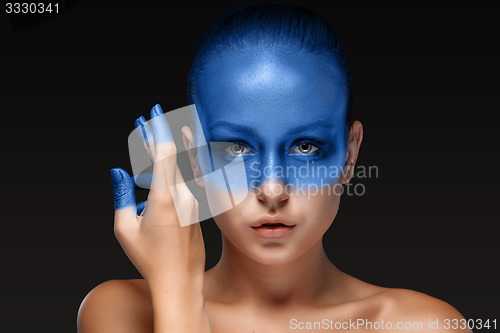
<point>270,81</point>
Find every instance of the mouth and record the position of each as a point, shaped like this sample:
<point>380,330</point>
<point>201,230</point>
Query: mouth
<point>272,221</point>
<point>272,227</point>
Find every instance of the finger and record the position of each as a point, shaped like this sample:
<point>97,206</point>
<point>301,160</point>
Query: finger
<point>178,175</point>
<point>123,188</point>
<point>161,190</point>
<point>124,198</point>
<point>142,180</point>
<point>179,181</point>
<point>147,136</point>
<point>160,195</point>
<point>164,143</point>
<point>161,202</point>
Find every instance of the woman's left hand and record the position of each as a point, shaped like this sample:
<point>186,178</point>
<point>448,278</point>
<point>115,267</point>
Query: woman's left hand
<point>164,243</point>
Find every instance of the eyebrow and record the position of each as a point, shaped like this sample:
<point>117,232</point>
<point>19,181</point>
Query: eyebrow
<point>251,131</point>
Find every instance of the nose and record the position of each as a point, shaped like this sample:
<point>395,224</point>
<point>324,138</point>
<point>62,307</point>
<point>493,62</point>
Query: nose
<point>270,186</point>
<point>272,192</point>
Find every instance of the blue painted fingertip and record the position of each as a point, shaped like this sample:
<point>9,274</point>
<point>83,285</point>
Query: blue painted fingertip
<point>142,123</point>
<point>116,176</point>
<point>139,121</point>
<point>123,188</point>
<point>160,128</point>
<point>156,111</point>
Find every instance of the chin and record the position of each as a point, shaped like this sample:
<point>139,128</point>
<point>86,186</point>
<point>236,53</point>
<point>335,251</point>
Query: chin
<point>273,254</point>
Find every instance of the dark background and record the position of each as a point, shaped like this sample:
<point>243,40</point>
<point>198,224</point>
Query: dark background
<point>426,89</point>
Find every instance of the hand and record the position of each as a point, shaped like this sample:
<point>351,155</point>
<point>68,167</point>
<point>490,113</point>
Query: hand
<point>169,256</point>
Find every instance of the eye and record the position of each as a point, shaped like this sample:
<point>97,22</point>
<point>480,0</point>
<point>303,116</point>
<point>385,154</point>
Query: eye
<point>305,148</point>
<point>237,149</point>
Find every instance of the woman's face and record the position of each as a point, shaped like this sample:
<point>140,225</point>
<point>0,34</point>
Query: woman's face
<point>282,112</point>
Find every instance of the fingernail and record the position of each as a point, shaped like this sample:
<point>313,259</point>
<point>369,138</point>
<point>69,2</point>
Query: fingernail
<point>116,176</point>
<point>139,121</point>
<point>156,111</point>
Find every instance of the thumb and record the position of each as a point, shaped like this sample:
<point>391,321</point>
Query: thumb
<point>124,198</point>
<point>123,188</point>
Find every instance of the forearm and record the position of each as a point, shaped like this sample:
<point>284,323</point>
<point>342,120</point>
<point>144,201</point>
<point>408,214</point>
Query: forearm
<point>180,311</point>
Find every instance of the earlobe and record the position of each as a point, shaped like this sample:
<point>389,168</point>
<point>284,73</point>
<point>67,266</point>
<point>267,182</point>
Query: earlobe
<point>348,172</point>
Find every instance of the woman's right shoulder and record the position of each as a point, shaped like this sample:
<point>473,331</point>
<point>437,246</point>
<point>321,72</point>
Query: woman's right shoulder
<point>116,306</point>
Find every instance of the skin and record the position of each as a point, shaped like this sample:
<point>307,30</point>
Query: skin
<point>259,285</point>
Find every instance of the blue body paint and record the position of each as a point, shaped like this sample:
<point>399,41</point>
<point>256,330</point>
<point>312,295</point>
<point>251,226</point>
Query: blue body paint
<point>284,111</point>
<point>123,188</point>
<point>123,184</point>
<point>159,124</point>
<point>145,130</point>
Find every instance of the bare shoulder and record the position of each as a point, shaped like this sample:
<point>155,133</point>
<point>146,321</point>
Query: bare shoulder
<point>116,306</point>
<point>412,307</point>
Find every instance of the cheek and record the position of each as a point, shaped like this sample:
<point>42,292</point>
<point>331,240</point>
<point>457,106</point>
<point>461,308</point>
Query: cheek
<point>321,211</point>
<point>228,225</point>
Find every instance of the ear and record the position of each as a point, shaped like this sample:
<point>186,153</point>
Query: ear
<point>189,145</point>
<point>353,144</point>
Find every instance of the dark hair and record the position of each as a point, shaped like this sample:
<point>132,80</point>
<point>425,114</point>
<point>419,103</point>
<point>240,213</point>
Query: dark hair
<point>268,25</point>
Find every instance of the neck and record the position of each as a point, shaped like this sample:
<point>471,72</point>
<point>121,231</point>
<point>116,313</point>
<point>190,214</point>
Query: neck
<point>304,280</point>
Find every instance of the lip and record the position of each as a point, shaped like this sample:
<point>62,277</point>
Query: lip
<point>272,219</point>
<point>281,228</point>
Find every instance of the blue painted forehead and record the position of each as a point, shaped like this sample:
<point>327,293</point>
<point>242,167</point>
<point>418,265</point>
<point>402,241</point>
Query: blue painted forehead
<point>265,88</point>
